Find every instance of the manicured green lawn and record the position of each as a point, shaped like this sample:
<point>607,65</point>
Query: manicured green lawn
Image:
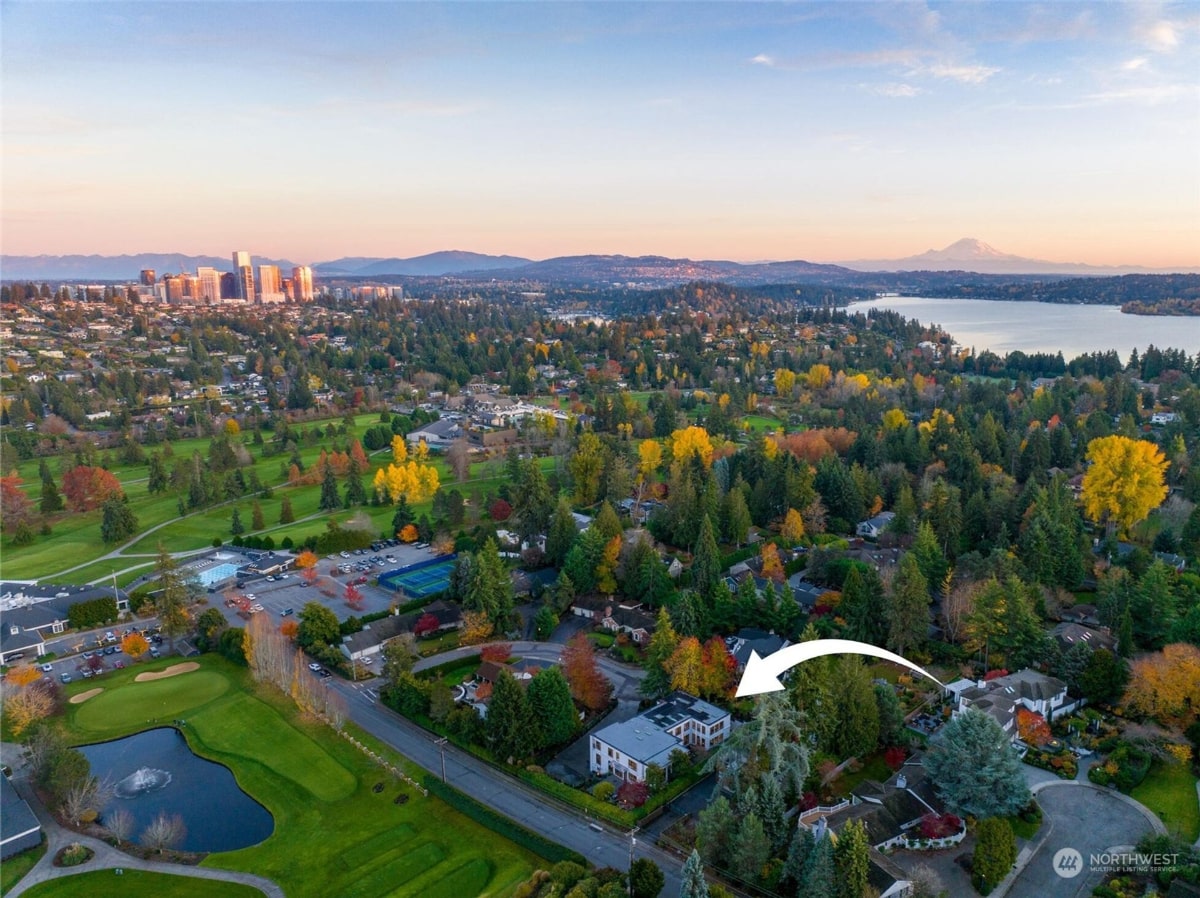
<point>140,884</point>
<point>874,768</point>
<point>334,835</point>
<point>15,868</point>
<point>761,423</point>
<point>1170,791</point>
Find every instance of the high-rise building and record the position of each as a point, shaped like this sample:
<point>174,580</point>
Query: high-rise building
<point>173,285</point>
<point>269,287</point>
<point>244,272</point>
<point>229,285</point>
<point>147,278</point>
<point>210,284</point>
<point>302,283</point>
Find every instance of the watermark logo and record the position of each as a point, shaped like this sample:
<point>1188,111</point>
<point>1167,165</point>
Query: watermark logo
<point>1068,863</point>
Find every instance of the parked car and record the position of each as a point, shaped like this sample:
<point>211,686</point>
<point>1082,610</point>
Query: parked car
<point>287,612</point>
<point>314,666</point>
<point>46,668</point>
<point>65,677</point>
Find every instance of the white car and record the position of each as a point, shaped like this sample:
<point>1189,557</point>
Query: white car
<point>314,666</point>
<point>46,668</point>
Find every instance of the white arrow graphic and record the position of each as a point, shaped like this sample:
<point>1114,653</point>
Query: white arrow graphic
<point>762,674</point>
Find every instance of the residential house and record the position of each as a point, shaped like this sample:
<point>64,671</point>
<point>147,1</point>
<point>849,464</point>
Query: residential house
<point>871,528</point>
<point>1067,634</point>
<point>1027,688</point>
<point>677,723</point>
<point>370,640</point>
<point>751,639</point>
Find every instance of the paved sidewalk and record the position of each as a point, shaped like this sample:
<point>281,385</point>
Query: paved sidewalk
<point>106,857</point>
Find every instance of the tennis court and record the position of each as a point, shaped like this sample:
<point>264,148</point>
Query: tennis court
<point>422,579</point>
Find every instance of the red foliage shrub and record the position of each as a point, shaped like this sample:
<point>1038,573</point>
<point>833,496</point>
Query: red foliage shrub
<point>499,510</point>
<point>993,674</point>
<point>499,652</point>
<point>632,795</point>
<point>894,757</point>
<point>425,625</point>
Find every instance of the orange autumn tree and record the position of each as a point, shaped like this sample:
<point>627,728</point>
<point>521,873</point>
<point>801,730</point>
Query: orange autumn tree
<point>135,645</point>
<point>772,567</point>
<point>1032,728</point>
<point>1165,685</point>
<point>306,559</point>
<point>408,533</point>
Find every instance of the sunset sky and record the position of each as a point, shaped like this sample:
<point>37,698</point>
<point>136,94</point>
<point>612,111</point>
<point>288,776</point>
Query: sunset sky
<point>309,131</point>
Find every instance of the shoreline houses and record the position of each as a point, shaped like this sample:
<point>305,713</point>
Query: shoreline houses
<point>678,723</point>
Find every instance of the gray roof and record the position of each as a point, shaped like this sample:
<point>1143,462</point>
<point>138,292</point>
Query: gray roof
<point>57,596</point>
<point>680,706</point>
<point>17,819</point>
<point>442,428</point>
<point>641,740</point>
<point>750,639</point>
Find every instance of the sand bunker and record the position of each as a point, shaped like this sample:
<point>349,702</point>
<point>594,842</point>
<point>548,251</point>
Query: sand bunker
<point>186,667</point>
<point>84,696</point>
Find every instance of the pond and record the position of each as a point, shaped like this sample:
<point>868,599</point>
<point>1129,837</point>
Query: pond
<point>156,771</point>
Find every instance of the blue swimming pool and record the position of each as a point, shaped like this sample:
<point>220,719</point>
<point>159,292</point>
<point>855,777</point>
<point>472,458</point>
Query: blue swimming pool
<point>218,573</point>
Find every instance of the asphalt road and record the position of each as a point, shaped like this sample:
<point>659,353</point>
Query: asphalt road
<point>605,847</point>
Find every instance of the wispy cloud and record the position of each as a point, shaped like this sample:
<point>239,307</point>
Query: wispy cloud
<point>896,89</point>
<point>1133,65</point>
<point>963,74</point>
<point>1161,36</point>
<point>763,59</point>
<point>1152,95</point>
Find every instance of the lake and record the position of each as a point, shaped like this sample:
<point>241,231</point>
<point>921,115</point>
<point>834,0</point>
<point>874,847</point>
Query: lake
<point>156,770</point>
<point>1074,330</point>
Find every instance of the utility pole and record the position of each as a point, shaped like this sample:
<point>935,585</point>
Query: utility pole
<point>441,744</point>
<point>632,845</point>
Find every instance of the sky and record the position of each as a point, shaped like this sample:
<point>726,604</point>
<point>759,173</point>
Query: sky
<point>828,132</point>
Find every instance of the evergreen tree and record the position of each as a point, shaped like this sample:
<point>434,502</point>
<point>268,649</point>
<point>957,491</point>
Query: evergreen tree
<point>929,556</point>
<point>236,527</point>
<point>750,849</point>
<point>856,729</point>
<point>561,535</point>
<point>356,492</point>
<point>891,715</point>
<point>995,853</point>
<point>772,811</point>
<point>706,563</point>
<point>862,605</point>
<point>737,517</point>
<point>646,880</point>
<point>607,522</point>
<point>256,516</point>
<point>402,516</point>
<point>117,522</point>
<point>799,851</point>
<point>714,831</point>
<point>51,500</point>
<point>286,515</point>
<point>157,475</point>
<point>489,588</point>
<point>663,643</point>
<point>172,597</point>
<point>693,884</point>
<point>533,503</point>
<point>820,872</point>
<point>975,768</point>
<point>511,727</point>
<point>583,559</point>
<point>851,861</point>
<point>329,491</point>
<point>908,611</point>
<point>552,708</point>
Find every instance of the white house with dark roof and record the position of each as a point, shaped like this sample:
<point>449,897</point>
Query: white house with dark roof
<point>677,723</point>
<point>871,528</point>
<point>1027,688</point>
<point>436,434</point>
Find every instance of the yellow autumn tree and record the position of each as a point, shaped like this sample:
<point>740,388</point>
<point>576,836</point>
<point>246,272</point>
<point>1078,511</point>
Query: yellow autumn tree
<point>410,477</point>
<point>894,419</point>
<point>1166,685</point>
<point>689,441</point>
<point>686,666</point>
<point>477,627</point>
<point>818,376</point>
<point>785,380</point>
<point>649,458</point>
<point>1124,481</point>
<point>793,526</point>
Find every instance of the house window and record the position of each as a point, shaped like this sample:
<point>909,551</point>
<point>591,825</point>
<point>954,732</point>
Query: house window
<point>596,744</point>
<point>597,759</point>
<point>633,765</point>
<point>610,753</point>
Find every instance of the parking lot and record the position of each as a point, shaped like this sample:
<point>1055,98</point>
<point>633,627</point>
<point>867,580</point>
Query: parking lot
<point>102,656</point>
<point>281,596</point>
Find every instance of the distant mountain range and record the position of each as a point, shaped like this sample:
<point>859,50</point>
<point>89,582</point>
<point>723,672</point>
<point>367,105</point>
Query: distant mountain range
<point>967,255</point>
<point>976,256</point>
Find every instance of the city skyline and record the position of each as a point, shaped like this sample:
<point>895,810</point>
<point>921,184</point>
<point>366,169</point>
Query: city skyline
<point>744,132</point>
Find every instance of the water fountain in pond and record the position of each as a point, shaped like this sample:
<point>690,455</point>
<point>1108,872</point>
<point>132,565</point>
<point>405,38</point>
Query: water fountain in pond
<point>144,779</point>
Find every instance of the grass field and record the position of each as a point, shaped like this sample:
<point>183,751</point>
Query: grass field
<point>75,538</point>
<point>15,868</point>
<point>1170,791</point>
<point>140,884</point>
<point>333,834</point>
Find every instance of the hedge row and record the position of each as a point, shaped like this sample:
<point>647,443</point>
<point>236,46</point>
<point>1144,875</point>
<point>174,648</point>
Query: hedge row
<point>498,823</point>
